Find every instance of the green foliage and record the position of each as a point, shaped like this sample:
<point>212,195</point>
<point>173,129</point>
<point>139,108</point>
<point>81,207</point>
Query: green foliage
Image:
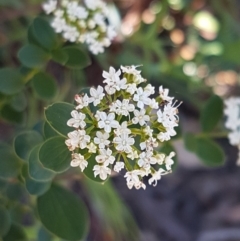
<point>11,115</point>
<point>77,58</point>
<point>16,233</point>
<point>5,221</point>
<point>60,56</point>
<point>212,113</point>
<point>88,171</point>
<point>57,116</point>
<point>63,213</point>
<point>36,169</point>
<point>11,81</point>
<point>190,141</point>
<point>25,141</point>
<point>34,187</point>
<point>48,131</point>
<point>43,34</point>
<point>44,86</point>
<point>210,152</point>
<point>10,164</point>
<point>32,56</point>
<point>19,102</point>
<point>54,154</point>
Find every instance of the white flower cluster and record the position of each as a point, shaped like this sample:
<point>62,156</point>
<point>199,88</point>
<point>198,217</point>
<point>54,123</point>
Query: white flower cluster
<point>121,126</point>
<point>232,112</point>
<point>84,23</point>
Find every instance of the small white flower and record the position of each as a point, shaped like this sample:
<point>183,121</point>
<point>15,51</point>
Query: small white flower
<point>112,76</point>
<point>141,97</point>
<point>155,177</point>
<point>164,94</point>
<point>73,141</point>
<point>78,160</point>
<point>82,101</point>
<point>132,155</point>
<point>131,88</point>
<point>77,120</point>
<point>101,139</point>
<point>107,122</point>
<point>102,171</point>
<point>105,157</point>
<point>124,143</point>
<point>149,89</point>
<point>122,129</point>
<point>132,178</point>
<point>168,160</point>
<point>50,6</point>
<point>122,108</point>
<point>118,166</point>
<point>140,117</point>
<point>96,95</point>
<point>91,148</point>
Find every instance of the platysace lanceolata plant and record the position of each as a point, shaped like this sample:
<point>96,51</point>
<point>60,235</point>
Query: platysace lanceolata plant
<point>121,126</point>
<point>82,21</point>
<point>232,112</point>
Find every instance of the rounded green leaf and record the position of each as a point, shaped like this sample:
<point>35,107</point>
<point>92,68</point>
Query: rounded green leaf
<point>11,115</point>
<point>88,171</point>
<point>9,163</point>
<point>54,154</point>
<point>19,102</point>
<point>34,187</point>
<point>44,34</point>
<point>11,81</point>
<point>16,233</point>
<point>57,116</point>
<point>32,56</point>
<point>44,235</point>
<point>15,191</point>
<point>36,169</point>
<point>48,131</point>
<point>5,221</point>
<point>44,86</point>
<point>190,141</point>
<point>210,152</point>
<point>77,58</point>
<point>212,113</point>
<point>24,143</point>
<point>60,56</point>
<point>63,213</point>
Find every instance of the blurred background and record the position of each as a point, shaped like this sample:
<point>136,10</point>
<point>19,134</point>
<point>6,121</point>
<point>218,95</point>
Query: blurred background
<point>191,47</point>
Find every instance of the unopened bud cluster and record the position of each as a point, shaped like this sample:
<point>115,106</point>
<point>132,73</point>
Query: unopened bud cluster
<point>82,21</point>
<point>232,112</point>
<point>121,126</point>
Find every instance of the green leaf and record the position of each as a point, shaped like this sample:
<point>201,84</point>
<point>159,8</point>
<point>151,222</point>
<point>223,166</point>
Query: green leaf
<point>57,116</point>
<point>9,163</point>
<point>88,171</point>
<point>15,191</point>
<point>11,81</point>
<point>210,152</point>
<point>44,34</point>
<point>77,58</point>
<point>44,235</point>
<point>48,131</point>
<point>24,143</point>
<point>44,86</point>
<point>34,187</point>
<point>16,233</point>
<point>36,169</point>
<point>32,56</point>
<point>211,113</point>
<point>11,115</point>
<point>32,39</point>
<point>60,56</point>
<point>54,154</point>
<point>190,141</point>
<point>230,54</point>
<point>5,221</point>
<point>63,213</point>
<point>19,102</point>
